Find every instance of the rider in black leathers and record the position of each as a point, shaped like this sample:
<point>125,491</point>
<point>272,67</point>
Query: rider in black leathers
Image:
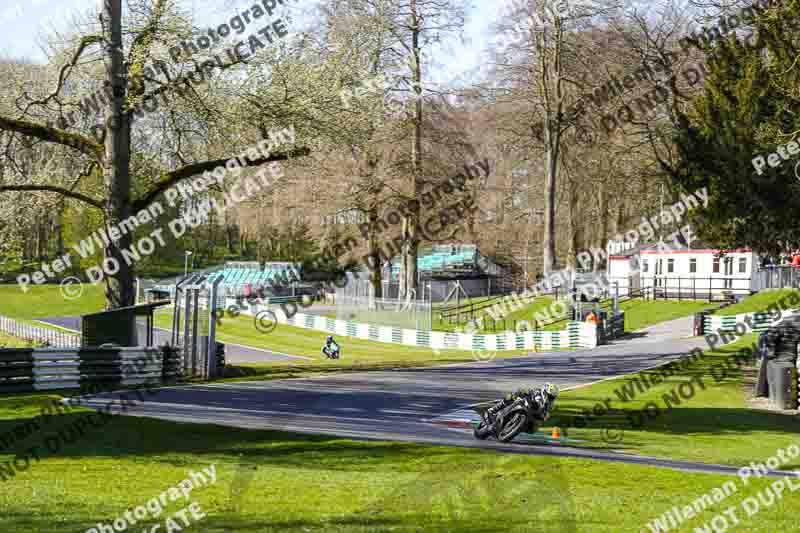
<point>543,398</point>
<point>330,344</point>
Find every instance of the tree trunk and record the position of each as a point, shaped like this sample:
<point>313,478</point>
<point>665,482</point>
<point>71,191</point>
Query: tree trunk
<point>408,282</point>
<point>603,237</point>
<point>116,169</point>
<point>230,238</point>
<point>551,172</point>
<point>619,223</point>
<point>552,136</point>
<point>210,243</point>
<point>375,263</point>
<point>59,229</point>
<point>40,241</point>
<point>574,227</point>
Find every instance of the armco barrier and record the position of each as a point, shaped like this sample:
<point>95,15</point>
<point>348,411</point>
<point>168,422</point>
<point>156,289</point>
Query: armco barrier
<point>576,334</point>
<point>34,369</point>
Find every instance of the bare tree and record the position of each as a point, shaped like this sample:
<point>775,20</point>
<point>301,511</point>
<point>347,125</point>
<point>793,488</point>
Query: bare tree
<point>110,156</point>
<point>541,65</point>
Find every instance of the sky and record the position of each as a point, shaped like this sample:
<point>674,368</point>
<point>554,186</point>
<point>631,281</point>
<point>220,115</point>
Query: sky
<point>24,23</point>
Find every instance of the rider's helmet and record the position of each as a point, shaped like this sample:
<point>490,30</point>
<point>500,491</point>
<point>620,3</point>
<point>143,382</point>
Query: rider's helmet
<point>329,339</point>
<point>550,390</point>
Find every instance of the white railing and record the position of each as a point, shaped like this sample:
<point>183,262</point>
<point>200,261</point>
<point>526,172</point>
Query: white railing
<point>38,334</point>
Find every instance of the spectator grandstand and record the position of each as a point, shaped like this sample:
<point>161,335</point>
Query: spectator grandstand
<point>439,268</point>
<point>451,261</point>
<point>272,274</point>
<point>243,279</point>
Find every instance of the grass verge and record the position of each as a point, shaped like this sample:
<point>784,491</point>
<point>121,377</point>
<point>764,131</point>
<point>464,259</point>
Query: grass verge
<point>759,302</point>
<point>490,325</point>
<point>710,422</point>
<point>269,481</point>
<point>640,314</point>
<point>42,301</point>
<point>7,341</point>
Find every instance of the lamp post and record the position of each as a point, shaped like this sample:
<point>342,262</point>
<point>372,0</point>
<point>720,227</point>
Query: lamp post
<point>186,263</point>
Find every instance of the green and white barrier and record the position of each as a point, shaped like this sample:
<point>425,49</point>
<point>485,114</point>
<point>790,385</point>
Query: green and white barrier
<point>760,321</point>
<point>576,334</point>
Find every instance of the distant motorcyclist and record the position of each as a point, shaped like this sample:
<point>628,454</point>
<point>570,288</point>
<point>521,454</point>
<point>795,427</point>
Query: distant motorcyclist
<point>331,348</point>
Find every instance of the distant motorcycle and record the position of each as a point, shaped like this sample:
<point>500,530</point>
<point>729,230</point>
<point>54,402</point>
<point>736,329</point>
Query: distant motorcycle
<point>331,350</point>
<point>525,413</point>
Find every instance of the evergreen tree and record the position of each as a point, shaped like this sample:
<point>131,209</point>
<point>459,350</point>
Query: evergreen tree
<point>747,110</point>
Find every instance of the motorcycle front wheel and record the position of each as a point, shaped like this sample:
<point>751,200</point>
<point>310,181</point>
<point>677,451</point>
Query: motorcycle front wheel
<point>516,423</point>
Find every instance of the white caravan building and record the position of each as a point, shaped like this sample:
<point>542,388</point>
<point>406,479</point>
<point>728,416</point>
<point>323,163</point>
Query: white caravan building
<point>693,271</point>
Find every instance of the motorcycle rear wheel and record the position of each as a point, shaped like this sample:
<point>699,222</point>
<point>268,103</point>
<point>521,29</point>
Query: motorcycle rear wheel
<point>516,423</point>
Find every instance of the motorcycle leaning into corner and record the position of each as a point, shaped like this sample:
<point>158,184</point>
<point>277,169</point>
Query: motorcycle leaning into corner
<point>524,410</point>
<point>331,349</point>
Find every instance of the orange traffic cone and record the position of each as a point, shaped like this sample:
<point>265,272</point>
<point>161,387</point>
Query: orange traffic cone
<point>556,433</point>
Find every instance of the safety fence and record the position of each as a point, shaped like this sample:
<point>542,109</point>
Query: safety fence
<point>776,277</point>
<point>33,369</point>
<point>38,334</point>
<point>575,335</point>
<point>727,323</point>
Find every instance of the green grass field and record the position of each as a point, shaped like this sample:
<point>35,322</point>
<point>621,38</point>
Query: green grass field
<point>760,301</point>
<point>451,324</point>
<point>307,342</point>
<point>6,341</point>
<point>384,318</point>
<point>714,425</point>
<point>278,482</point>
<point>43,301</point>
<point>640,313</point>
<point>507,321</point>
<point>281,482</point>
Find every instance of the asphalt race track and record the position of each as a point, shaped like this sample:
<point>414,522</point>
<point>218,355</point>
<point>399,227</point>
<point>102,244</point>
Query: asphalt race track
<point>404,405</point>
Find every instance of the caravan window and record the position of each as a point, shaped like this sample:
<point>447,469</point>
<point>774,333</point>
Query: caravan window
<point>693,265</point>
<point>644,265</point>
<point>742,265</point>
<point>670,265</point>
